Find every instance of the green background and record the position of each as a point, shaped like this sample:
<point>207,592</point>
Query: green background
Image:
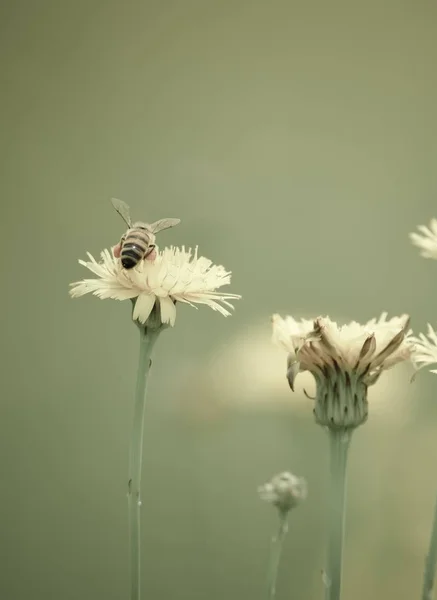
<point>297,143</point>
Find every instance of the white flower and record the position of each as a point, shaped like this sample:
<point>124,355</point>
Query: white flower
<point>425,350</point>
<point>428,241</point>
<point>369,348</point>
<point>285,491</point>
<point>174,275</point>
<point>344,360</point>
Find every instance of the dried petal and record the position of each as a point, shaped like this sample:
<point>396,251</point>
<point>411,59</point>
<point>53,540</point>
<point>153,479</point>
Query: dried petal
<point>293,368</point>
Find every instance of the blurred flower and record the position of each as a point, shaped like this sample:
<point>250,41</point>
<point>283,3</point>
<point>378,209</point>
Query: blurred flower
<point>427,242</point>
<point>285,491</point>
<point>425,350</point>
<point>247,369</point>
<point>174,276</point>
<point>343,360</point>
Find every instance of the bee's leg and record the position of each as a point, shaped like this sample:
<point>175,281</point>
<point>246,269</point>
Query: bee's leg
<point>116,250</point>
<point>151,252</point>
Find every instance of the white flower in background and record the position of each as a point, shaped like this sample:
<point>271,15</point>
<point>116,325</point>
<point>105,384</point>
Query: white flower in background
<point>247,371</point>
<point>285,491</point>
<point>344,361</point>
<point>425,349</point>
<point>369,348</point>
<point>427,242</point>
<point>175,275</point>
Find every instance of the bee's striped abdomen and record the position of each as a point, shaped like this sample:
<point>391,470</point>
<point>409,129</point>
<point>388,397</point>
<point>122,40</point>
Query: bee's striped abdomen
<point>134,248</point>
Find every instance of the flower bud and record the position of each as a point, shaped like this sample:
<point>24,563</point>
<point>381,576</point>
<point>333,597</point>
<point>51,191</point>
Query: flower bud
<point>285,491</point>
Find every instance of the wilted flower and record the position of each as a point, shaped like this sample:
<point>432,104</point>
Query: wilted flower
<point>175,275</point>
<point>425,349</point>
<point>344,361</point>
<point>427,242</point>
<point>285,491</point>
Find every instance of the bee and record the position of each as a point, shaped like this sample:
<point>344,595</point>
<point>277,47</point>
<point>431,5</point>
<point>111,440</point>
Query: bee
<point>138,243</point>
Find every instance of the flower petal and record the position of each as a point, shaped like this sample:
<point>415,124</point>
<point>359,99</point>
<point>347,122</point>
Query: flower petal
<point>168,310</point>
<point>426,240</point>
<point>143,307</point>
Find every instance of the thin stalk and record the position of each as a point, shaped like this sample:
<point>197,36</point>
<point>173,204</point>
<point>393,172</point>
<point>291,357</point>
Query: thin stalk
<point>339,441</point>
<point>148,338</point>
<point>275,554</point>
<point>431,561</point>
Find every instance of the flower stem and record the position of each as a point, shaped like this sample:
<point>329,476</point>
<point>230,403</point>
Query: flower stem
<point>275,554</point>
<point>431,560</point>
<point>339,441</point>
<point>148,338</point>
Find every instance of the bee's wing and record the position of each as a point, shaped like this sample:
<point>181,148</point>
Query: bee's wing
<point>163,224</point>
<point>123,210</point>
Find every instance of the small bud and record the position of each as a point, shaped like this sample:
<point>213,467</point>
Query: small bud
<point>285,491</point>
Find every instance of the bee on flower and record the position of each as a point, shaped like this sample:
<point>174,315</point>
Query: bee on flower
<point>138,242</point>
<point>175,275</point>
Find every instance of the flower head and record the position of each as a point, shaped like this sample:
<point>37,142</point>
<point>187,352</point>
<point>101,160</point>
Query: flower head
<point>427,242</point>
<point>175,275</point>
<point>425,350</point>
<point>285,491</point>
<point>344,360</point>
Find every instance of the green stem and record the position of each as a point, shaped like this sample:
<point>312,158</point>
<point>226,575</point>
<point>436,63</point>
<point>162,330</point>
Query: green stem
<point>339,441</point>
<point>431,560</point>
<point>275,554</point>
<point>148,338</point>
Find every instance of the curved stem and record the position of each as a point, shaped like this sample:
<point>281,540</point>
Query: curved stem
<point>431,561</point>
<point>275,555</point>
<point>339,441</point>
<point>148,338</point>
